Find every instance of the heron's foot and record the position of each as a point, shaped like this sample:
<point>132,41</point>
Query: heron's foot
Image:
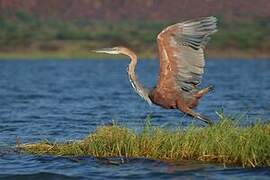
<point>204,119</point>
<point>200,117</point>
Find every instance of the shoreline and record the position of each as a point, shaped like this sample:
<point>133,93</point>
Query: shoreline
<point>213,54</point>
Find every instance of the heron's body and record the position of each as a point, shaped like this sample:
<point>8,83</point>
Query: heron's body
<point>181,66</point>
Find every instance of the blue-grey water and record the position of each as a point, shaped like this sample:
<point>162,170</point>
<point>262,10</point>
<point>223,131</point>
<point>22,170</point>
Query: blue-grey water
<point>65,100</point>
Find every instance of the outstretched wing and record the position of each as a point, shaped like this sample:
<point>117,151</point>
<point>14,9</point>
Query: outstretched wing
<point>181,53</point>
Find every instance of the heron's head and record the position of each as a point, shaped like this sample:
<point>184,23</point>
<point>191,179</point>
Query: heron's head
<point>114,50</point>
<point>117,50</point>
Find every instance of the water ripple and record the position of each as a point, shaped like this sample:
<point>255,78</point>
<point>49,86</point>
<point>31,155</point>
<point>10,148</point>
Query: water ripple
<point>64,100</point>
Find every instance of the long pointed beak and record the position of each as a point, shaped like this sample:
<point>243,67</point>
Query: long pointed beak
<point>105,50</point>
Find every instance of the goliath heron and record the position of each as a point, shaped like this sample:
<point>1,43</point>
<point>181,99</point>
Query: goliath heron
<point>181,66</point>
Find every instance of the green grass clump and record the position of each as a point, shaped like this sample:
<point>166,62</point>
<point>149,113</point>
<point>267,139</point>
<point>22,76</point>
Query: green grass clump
<point>225,142</point>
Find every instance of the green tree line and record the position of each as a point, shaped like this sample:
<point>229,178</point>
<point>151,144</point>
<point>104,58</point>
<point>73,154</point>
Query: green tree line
<point>24,30</point>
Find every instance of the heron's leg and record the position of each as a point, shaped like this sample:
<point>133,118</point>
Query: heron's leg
<point>203,91</point>
<point>199,117</point>
<point>185,109</point>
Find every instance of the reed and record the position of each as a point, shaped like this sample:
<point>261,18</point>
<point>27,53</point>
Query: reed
<point>225,142</point>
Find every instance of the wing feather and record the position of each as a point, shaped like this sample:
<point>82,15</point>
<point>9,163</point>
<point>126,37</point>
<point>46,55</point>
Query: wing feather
<point>181,46</point>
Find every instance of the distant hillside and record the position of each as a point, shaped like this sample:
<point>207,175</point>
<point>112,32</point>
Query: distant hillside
<point>138,9</point>
<point>70,28</point>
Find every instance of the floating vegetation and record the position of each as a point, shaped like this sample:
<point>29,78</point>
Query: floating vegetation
<point>225,142</point>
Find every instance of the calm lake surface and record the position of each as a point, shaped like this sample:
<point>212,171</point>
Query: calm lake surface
<point>65,100</point>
